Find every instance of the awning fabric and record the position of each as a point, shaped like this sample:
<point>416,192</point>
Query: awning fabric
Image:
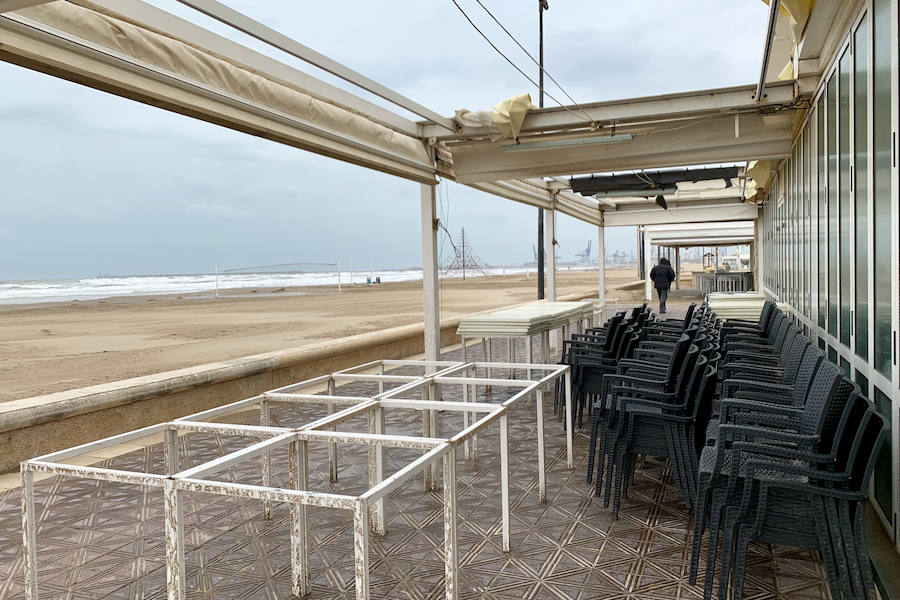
<point>92,24</point>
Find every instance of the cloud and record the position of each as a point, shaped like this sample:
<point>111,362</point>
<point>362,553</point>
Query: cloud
<point>96,183</point>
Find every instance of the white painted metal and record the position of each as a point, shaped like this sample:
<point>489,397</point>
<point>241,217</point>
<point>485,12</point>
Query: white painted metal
<point>430,274</point>
<point>673,106</point>
<point>696,214</point>
<point>601,266</point>
<point>648,264</point>
<point>176,484</point>
<point>29,538</point>
<point>550,244</point>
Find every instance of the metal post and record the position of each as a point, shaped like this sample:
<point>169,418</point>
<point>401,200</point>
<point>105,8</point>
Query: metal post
<point>174,528</point>
<point>570,421</point>
<point>29,536</point>
<point>171,451</point>
<point>677,268</point>
<point>542,5</point>
<point>376,469</point>
<point>647,258</point>
<point>266,458</point>
<point>430,483</point>
<point>451,547</point>
<point>601,266</point>
<point>361,549</point>
<point>550,244</point>
<point>504,478</point>
<point>299,480</point>
<point>430,274</point>
<point>542,475</point>
<point>332,448</point>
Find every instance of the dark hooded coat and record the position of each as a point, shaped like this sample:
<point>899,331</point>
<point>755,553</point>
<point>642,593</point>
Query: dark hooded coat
<point>662,274</point>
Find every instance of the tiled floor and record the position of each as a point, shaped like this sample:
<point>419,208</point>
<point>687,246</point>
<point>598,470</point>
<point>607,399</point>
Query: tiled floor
<point>103,540</point>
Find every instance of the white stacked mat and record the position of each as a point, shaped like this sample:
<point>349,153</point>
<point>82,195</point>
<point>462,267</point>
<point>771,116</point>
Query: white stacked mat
<point>736,305</point>
<point>528,319</point>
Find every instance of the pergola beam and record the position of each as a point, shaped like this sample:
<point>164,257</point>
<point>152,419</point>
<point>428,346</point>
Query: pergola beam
<point>680,105</point>
<point>695,214</point>
<point>241,22</point>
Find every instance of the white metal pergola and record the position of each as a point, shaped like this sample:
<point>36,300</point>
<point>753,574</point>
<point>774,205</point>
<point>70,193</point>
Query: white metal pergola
<point>133,49</point>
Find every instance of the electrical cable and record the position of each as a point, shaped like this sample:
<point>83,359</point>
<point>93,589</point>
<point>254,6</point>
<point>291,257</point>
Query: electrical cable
<point>533,59</point>
<point>507,59</point>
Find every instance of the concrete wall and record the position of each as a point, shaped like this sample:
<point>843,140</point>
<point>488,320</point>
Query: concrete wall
<point>34,426</point>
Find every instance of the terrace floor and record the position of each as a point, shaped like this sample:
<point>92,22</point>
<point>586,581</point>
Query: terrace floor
<point>105,540</point>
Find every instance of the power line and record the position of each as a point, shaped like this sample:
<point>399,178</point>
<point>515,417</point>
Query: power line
<point>533,59</point>
<point>507,59</point>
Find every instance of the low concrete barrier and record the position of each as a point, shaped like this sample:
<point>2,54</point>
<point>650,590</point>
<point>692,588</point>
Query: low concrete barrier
<point>41,424</point>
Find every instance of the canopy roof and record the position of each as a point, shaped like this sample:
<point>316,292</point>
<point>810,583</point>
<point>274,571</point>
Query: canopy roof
<point>133,49</point>
<point>691,235</point>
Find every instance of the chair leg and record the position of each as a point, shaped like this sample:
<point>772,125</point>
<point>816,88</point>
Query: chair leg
<point>592,446</point>
<point>699,523</point>
<point>740,560</point>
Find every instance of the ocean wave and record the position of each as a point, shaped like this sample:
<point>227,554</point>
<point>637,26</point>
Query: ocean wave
<point>92,288</point>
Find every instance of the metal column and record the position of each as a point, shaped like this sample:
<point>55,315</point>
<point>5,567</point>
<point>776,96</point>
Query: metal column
<point>430,274</point>
<point>648,290</point>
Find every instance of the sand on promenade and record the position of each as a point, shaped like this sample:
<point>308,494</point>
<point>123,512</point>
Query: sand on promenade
<point>58,346</point>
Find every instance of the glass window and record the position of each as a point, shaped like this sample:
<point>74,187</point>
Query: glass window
<point>881,115</point>
<point>804,238</point>
<point>845,222</point>
<point>863,382</point>
<point>832,354</point>
<point>822,255</point>
<point>861,184</point>
<point>831,144</point>
<point>845,365</point>
<point>884,494</point>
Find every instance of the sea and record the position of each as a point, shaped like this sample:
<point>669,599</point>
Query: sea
<point>109,286</point>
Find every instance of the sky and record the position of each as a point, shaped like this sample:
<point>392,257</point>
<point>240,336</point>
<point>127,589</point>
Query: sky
<point>92,183</point>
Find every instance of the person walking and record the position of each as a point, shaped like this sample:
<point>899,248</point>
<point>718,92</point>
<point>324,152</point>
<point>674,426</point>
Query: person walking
<point>662,276</point>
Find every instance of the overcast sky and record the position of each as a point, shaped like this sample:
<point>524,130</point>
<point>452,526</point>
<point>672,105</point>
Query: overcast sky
<point>93,183</point>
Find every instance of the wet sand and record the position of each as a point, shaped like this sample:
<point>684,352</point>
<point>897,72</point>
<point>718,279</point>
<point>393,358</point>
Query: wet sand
<point>51,347</point>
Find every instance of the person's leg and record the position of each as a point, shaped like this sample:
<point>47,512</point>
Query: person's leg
<point>663,295</point>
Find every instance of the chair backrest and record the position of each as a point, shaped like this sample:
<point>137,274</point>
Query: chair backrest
<point>794,358</point>
<point>686,371</point>
<point>693,384</point>
<point>679,350</point>
<point>852,422</point>
<point>630,345</point>
<point>776,325</point>
<point>843,398</point>
<point>792,335</point>
<point>812,358</point>
<point>871,437</point>
<point>765,314</point>
<point>689,314</point>
<point>781,334</point>
<point>626,333</point>
<point>824,387</point>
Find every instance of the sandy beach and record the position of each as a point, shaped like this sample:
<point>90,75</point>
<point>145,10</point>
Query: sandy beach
<point>51,347</point>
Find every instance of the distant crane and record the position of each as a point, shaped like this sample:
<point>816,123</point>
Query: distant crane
<point>585,255</point>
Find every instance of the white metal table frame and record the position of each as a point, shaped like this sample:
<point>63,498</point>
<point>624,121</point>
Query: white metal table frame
<point>369,506</point>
